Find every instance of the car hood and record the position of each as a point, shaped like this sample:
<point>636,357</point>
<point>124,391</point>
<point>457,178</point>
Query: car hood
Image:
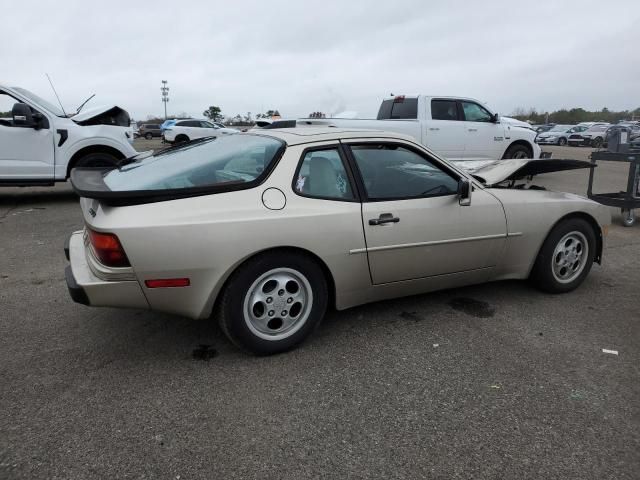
<point>515,122</point>
<point>493,172</point>
<point>103,115</point>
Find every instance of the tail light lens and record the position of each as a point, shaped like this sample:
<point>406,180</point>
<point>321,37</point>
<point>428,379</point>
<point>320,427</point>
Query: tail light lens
<point>107,249</point>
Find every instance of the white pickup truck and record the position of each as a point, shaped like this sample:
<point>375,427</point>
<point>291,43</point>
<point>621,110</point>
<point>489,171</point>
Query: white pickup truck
<point>456,128</point>
<point>40,144</point>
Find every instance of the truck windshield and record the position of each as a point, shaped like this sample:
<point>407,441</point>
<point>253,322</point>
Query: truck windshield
<point>40,102</point>
<point>207,162</point>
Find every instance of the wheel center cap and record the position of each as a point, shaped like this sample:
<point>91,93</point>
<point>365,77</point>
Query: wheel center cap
<point>279,302</point>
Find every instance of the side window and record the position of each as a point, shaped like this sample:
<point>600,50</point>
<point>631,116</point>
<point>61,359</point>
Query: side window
<point>394,172</point>
<point>322,174</point>
<point>444,110</point>
<point>206,125</point>
<point>475,113</point>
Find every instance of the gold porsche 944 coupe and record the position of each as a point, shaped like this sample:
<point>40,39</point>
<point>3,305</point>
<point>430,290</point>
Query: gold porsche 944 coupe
<point>265,231</point>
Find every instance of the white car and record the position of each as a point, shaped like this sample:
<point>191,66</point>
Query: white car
<point>267,229</point>
<point>40,144</point>
<point>190,129</point>
<point>454,127</point>
<point>559,134</point>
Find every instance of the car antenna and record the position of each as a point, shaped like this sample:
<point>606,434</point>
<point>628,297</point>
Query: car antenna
<point>56,93</point>
<point>84,103</point>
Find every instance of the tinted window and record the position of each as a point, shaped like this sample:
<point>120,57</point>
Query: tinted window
<point>233,159</point>
<point>393,172</point>
<point>475,113</point>
<point>206,125</point>
<point>398,108</point>
<point>444,110</point>
<point>322,174</point>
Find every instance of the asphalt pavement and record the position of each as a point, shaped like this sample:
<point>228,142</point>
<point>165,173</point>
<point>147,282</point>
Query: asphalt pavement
<point>490,381</point>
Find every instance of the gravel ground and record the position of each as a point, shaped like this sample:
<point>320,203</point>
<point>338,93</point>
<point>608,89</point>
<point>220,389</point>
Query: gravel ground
<point>490,381</point>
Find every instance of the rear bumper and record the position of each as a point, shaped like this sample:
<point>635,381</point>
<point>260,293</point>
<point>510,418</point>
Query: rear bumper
<point>87,289</point>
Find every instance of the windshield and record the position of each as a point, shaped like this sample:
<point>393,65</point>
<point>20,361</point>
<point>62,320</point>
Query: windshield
<point>560,128</point>
<point>205,162</point>
<point>40,101</point>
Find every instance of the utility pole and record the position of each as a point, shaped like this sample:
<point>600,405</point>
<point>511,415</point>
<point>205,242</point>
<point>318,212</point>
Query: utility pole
<point>165,96</point>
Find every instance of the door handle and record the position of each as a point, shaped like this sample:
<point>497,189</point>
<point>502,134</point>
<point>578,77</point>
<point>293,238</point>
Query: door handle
<point>384,218</point>
<point>473,129</point>
<point>432,129</point>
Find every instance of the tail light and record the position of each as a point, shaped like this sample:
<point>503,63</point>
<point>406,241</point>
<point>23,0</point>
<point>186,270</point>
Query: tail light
<point>107,249</point>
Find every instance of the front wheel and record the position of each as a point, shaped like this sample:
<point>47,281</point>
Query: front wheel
<point>566,257</point>
<point>148,136</point>
<point>562,142</point>
<point>273,302</point>
<point>596,142</point>
<point>97,160</point>
<point>518,151</point>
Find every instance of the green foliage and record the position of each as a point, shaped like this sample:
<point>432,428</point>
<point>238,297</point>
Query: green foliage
<point>213,113</point>
<point>6,115</point>
<point>575,115</point>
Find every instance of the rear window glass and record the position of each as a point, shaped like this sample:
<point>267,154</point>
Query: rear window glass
<point>398,108</point>
<point>230,160</point>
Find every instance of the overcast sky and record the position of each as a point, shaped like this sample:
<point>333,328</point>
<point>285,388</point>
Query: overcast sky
<point>302,56</point>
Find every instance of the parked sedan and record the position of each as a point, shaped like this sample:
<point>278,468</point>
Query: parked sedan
<point>558,134</point>
<point>186,130</point>
<point>266,230</point>
<point>592,137</point>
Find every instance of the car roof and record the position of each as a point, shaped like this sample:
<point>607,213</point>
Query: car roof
<point>300,135</point>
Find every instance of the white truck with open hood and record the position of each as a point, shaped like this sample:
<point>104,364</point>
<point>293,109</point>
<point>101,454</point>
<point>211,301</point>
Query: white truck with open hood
<point>456,128</point>
<point>40,143</point>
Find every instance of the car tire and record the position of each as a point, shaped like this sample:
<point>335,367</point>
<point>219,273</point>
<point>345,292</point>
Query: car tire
<point>628,217</point>
<point>273,302</point>
<point>596,142</point>
<point>562,141</point>
<point>182,139</point>
<point>97,160</point>
<point>518,151</point>
<point>566,257</point>
<point>148,136</point>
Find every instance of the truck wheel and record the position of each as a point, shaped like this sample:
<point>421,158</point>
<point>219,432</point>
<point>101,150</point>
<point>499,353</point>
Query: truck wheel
<point>566,257</point>
<point>562,142</point>
<point>148,136</point>
<point>97,160</point>
<point>518,151</point>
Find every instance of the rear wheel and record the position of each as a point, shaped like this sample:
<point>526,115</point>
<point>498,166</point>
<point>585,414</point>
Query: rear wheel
<point>182,139</point>
<point>273,302</point>
<point>148,136</point>
<point>518,151</point>
<point>566,257</point>
<point>597,142</point>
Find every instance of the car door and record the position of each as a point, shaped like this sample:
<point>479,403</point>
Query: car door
<point>415,226</point>
<point>25,152</point>
<point>484,138</point>
<point>444,129</point>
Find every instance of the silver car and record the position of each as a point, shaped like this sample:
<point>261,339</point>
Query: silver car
<point>266,230</point>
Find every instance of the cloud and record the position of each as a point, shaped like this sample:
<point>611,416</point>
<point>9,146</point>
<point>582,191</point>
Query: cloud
<point>298,56</point>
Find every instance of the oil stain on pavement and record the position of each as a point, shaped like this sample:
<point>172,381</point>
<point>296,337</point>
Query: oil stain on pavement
<point>473,307</point>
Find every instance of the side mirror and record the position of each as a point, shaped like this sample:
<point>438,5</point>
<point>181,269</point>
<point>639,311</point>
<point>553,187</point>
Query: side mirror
<point>464,192</point>
<point>22,116</point>
<point>495,118</point>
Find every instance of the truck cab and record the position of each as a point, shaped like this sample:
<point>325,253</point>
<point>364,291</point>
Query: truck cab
<point>40,144</point>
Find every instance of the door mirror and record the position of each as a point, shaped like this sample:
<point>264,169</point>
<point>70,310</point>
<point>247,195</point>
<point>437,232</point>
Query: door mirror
<point>22,116</point>
<point>464,192</point>
<point>495,118</point>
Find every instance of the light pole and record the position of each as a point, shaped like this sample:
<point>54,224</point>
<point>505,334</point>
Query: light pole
<point>165,96</point>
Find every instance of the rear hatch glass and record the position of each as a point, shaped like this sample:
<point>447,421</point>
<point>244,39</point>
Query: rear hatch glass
<point>207,165</point>
<point>399,108</point>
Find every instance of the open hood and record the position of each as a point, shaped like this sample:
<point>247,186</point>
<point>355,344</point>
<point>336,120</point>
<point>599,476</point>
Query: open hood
<point>103,115</point>
<point>493,172</point>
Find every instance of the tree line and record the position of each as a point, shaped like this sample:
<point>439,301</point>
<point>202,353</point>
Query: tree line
<point>574,115</point>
